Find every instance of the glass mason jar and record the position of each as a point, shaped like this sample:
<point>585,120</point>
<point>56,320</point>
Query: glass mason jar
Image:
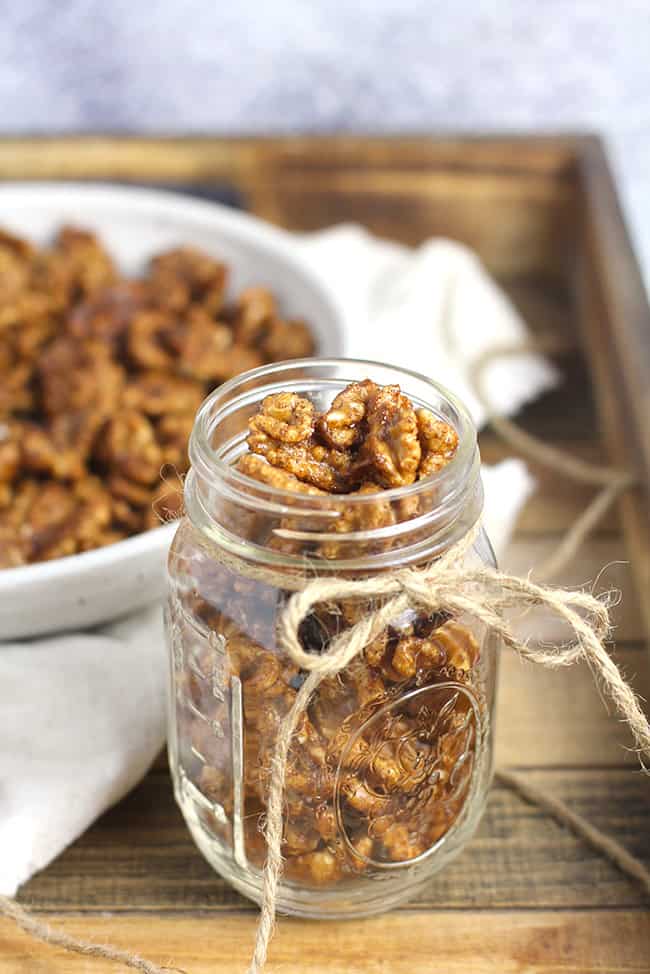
<point>389,767</point>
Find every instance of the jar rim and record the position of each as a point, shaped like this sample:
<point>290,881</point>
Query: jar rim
<point>452,496</point>
<point>207,419</point>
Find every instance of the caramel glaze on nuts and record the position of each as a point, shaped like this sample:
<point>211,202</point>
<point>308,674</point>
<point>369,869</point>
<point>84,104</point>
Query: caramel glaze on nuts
<point>370,435</point>
<point>100,378</point>
<point>373,776</point>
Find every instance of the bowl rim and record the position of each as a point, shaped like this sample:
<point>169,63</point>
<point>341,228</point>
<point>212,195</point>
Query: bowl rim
<point>245,227</point>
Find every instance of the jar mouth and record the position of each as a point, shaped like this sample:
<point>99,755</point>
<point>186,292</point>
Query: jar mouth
<point>219,438</point>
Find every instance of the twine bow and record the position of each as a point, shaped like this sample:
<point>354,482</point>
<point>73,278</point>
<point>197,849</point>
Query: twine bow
<point>446,585</point>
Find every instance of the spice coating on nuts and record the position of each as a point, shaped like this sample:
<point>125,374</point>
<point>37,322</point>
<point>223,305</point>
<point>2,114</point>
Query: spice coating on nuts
<point>100,377</point>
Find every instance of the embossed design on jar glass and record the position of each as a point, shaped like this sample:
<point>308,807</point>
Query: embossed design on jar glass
<point>411,764</point>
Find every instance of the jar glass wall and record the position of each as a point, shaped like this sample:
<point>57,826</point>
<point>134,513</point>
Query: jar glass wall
<point>389,767</point>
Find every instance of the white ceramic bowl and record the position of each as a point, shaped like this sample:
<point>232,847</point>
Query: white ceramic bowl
<point>96,586</point>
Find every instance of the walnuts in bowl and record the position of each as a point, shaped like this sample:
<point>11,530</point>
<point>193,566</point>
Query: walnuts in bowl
<point>100,377</point>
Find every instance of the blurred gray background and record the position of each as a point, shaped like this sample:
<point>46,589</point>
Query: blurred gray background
<point>326,65</point>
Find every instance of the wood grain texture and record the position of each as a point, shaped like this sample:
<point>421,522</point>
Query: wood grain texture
<point>622,419</point>
<point>615,324</point>
<point>139,856</point>
<point>407,188</point>
<point>600,565</point>
<point>525,896</point>
<point>557,718</point>
<point>476,942</point>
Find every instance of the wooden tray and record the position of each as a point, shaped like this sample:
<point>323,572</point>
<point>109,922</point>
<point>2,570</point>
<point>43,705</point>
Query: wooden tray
<point>525,895</point>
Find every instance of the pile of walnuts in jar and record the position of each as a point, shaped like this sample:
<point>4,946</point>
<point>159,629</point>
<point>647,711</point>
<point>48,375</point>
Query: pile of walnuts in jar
<point>100,379</point>
<point>380,764</point>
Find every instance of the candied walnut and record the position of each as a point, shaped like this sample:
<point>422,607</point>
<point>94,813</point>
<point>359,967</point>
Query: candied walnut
<point>256,323</point>
<point>173,433</point>
<point>43,452</point>
<point>126,517</point>
<point>148,340</point>
<point>92,265</point>
<point>264,674</point>
<point>102,538</point>
<point>107,315</point>
<point>22,249</point>
<point>15,270</point>
<point>255,309</point>
<point>391,452</point>
<point>93,510</point>
<point>285,417</point>
<point>400,844</point>
<point>361,797</point>
<point>52,281</point>
<point>24,307</point>
<point>7,354</point>
<point>239,358</point>
<point>359,517</point>
<point>187,276</point>
<point>202,346</point>
<point>9,453</point>
<point>458,644</point>
<point>128,490</point>
<point>375,652</point>
<point>55,521</point>
<point>414,655</point>
<point>327,469</point>
<point>16,392</point>
<point>76,375</point>
<point>207,351</point>
<point>299,838</point>
<point>363,845</point>
<point>127,444</point>
<point>76,266</point>
<point>325,821</point>
<point>38,449</point>
<point>438,440</point>
<point>340,426</point>
<point>13,549</point>
<point>29,337</point>
<point>162,394</point>
<point>368,686</point>
<point>45,513</point>
<point>287,340</point>
<point>75,432</point>
<point>321,867</point>
<point>259,469</point>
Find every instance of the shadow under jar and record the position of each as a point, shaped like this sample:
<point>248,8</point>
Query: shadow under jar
<point>389,767</point>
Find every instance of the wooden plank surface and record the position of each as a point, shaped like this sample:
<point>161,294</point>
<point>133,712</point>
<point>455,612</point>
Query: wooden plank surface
<point>525,896</point>
<point>139,856</point>
<point>476,942</point>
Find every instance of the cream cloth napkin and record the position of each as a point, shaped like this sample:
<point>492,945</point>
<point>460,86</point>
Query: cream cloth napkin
<point>82,716</point>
